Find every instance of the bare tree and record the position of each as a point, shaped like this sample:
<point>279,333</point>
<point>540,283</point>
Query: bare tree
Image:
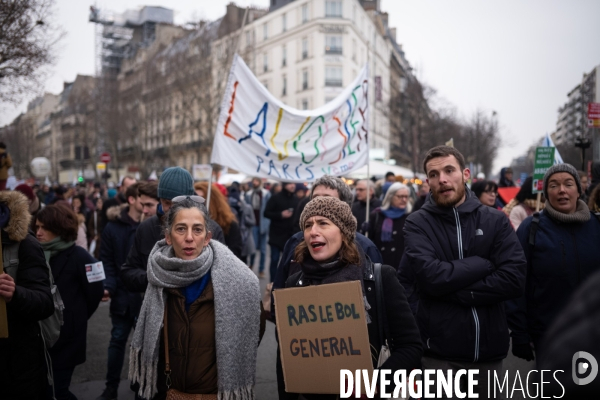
<point>27,40</point>
<point>20,137</point>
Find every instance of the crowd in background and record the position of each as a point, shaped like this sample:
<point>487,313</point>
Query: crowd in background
<point>142,231</point>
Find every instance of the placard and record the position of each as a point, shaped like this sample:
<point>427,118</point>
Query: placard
<point>544,159</point>
<point>322,329</point>
<point>95,272</point>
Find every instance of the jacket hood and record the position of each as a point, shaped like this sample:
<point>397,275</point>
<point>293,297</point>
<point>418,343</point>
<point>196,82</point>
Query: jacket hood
<point>113,213</point>
<point>18,224</point>
<point>470,204</point>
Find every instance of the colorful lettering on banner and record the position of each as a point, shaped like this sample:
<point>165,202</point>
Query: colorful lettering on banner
<point>283,143</point>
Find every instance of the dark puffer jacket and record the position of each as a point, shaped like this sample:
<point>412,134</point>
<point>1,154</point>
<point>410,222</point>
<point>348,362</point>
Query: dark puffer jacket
<point>117,239</point>
<point>22,365</point>
<point>281,229</point>
<point>563,257</point>
<point>359,210</point>
<point>459,266</point>
<point>133,272</point>
<point>81,300</point>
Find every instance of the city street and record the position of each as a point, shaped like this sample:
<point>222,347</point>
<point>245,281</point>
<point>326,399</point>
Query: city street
<point>88,379</point>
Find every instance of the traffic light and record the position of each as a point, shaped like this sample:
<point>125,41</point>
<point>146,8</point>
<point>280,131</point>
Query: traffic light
<point>80,179</point>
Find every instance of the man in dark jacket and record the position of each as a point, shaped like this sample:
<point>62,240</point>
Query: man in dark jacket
<point>324,186</point>
<point>117,239</point>
<point>118,199</point>
<point>461,261</point>
<point>506,178</point>
<point>280,210</point>
<point>359,208</point>
<point>28,301</point>
<point>174,181</point>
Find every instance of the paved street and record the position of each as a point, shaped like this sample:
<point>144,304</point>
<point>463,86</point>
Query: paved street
<point>88,379</point>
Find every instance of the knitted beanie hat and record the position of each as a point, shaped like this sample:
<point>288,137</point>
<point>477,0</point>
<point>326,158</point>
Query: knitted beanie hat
<point>26,190</point>
<point>568,168</point>
<point>333,209</point>
<point>175,181</point>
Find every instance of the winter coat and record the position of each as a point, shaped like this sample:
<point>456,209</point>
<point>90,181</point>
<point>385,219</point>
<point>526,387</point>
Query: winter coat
<point>392,251</point>
<point>281,228</point>
<point>262,221</point>
<point>575,329</point>
<point>406,349</point>
<point>233,239</point>
<point>563,257</point>
<point>81,299</point>
<point>5,164</point>
<point>22,365</point>
<point>518,215</point>
<point>117,239</point>
<point>284,270</point>
<point>459,266</point>
<point>192,344</point>
<point>150,231</point>
<point>503,182</point>
<point>359,210</point>
<point>246,220</point>
<point>298,212</point>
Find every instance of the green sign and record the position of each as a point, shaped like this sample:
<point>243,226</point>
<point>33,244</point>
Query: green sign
<point>544,159</point>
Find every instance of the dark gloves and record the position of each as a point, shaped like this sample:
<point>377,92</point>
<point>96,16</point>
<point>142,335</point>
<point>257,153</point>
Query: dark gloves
<point>523,350</point>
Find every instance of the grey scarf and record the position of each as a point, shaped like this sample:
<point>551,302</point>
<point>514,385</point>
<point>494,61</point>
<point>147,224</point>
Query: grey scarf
<point>582,213</point>
<point>237,317</point>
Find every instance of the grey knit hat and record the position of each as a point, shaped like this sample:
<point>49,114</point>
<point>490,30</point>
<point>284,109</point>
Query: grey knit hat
<point>568,168</point>
<point>333,209</point>
<point>175,181</point>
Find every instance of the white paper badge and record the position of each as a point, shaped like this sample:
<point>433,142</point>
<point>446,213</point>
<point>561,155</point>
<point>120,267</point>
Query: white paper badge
<point>95,272</point>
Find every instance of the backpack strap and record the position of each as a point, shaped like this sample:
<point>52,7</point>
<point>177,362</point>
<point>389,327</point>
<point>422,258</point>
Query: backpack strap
<point>384,331</point>
<point>535,224</point>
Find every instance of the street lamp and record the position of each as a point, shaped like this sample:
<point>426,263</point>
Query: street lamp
<point>583,143</point>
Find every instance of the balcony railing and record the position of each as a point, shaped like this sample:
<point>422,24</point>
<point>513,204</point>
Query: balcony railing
<point>333,82</point>
<point>333,50</point>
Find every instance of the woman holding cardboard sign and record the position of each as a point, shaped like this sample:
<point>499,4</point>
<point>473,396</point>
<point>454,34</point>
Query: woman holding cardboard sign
<point>198,329</point>
<point>56,229</point>
<point>329,254</point>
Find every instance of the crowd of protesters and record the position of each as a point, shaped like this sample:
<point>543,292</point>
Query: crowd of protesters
<point>463,274</point>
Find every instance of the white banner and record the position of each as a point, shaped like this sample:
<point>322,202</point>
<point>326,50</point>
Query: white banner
<point>260,136</point>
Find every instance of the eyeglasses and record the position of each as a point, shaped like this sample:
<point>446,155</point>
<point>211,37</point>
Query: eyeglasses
<point>401,196</point>
<point>195,198</point>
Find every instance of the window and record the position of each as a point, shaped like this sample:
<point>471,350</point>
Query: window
<point>333,8</point>
<point>248,38</point>
<point>333,44</point>
<point>304,13</point>
<point>333,76</point>
<point>354,50</point>
<point>304,48</point>
<point>266,84</point>
<point>265,62</point>
<point>304,80</point>
<point>305,104</point>
<point>284,22</point>
<point>284,87</point>
<point>283,56</point>
<point>265,32</point>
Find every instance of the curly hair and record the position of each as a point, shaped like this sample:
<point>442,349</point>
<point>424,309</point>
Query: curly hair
<point>594,200</point>
<point>219,209</point>
<point>61,220</point>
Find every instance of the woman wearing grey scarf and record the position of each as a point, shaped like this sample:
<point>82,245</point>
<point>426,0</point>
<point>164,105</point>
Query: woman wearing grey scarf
<point>213,313</point>
<point>561,247</point>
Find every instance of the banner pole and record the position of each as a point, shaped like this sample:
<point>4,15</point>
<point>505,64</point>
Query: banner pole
<point>210,179</point>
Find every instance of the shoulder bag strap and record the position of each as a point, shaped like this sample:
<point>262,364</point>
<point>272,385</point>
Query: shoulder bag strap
<point>380,302</point>
<point>167,362</point>
<point>535,223</point>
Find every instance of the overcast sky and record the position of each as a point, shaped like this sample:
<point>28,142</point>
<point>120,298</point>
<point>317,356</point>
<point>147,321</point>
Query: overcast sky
<point>518,58</point>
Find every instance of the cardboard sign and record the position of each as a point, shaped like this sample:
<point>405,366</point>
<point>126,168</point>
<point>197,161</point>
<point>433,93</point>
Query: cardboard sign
<point>95,272</point>
<point>322,329</point>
